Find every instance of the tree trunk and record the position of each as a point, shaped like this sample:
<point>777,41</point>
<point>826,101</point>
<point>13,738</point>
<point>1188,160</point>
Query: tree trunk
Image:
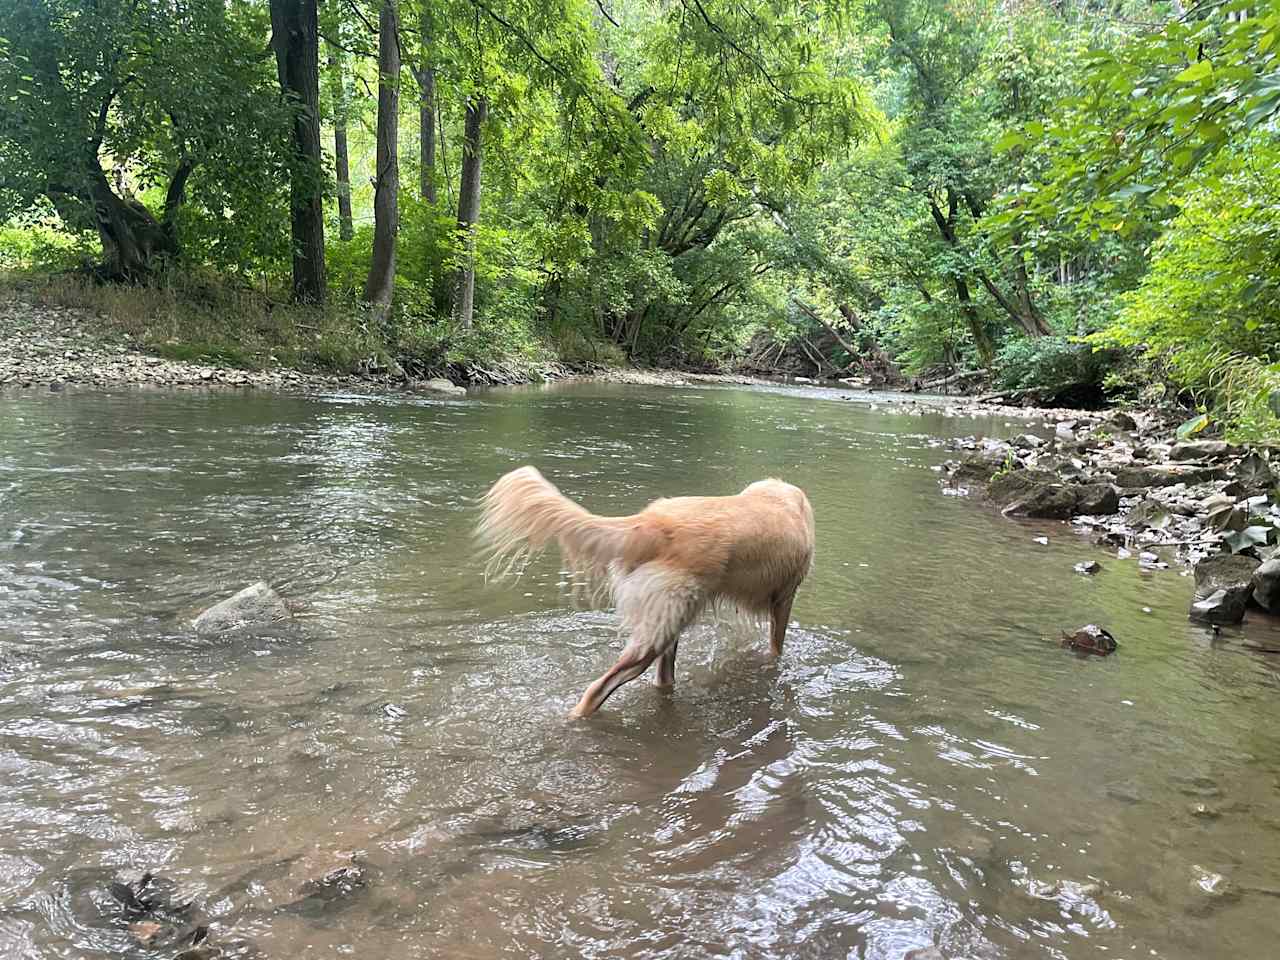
<point>986,350</point>
<point>341,154</point>
<point>382,270</point>
<point>134,242</point>
<point>946,226</point>
<point>469,210</point>
<point>295,39</point>
<point>427,113</point>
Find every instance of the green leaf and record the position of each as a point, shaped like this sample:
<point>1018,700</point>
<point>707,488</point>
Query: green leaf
<point>1192,426</point>
<point>1273,402</point>
<point>1196,72</point>
<point>1248,537</point>
<point>1011,139</point>
<point>1134,190</point>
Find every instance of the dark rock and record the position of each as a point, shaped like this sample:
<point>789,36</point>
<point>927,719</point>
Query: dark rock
<point>1088,567</point>
<point>1266,585</point>
<point>1090,638</point>
<point>1062,501</point>
<point>1123,421</point>
<point>925,953</point>
<point>1013,484</point>
<point>1201,450</point>
<point>1167,474</point>
<point>1223,570</point>
<point>341,881</point>
<point>253,606</point>
<point>1225,605</point>
<point>977,468</point>
<point>1255,473</point>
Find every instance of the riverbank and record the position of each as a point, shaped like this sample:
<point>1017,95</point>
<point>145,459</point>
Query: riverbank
<point>1127,481</point>
<point>52,346</point>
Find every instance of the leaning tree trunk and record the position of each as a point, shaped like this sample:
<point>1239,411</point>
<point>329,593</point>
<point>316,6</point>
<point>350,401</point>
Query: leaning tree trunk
<point>295,38</point>
<point>382,270</point>
<point>134,242</point>
<point>341,154</point>
<point>469,211</point>
<point>426,76</point>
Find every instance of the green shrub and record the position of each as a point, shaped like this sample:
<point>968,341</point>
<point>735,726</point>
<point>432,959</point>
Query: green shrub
<point>38,246</point>
<point>1058,368</point>
<point>1207,315</point>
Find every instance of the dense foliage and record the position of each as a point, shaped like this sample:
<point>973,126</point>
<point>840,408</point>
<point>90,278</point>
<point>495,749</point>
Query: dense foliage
<point>1078,196</point>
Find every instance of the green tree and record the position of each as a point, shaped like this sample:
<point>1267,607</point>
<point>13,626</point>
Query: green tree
<point>110,102</point>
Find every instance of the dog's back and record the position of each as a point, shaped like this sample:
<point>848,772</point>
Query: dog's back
<point>743,548</point>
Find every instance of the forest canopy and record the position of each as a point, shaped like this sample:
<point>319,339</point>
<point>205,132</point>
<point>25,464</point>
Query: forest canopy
<point>1076,199</point>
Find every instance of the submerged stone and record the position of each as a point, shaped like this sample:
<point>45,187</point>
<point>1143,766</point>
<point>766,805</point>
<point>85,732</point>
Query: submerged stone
<point>1225,605</point>
<point>1090,638</point>
<point>255,605</point>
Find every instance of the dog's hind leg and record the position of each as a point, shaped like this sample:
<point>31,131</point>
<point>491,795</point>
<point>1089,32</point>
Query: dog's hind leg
<point>780,616</point>
<point>634,661</point>
<point>656,604</point>
<point>665,675</point>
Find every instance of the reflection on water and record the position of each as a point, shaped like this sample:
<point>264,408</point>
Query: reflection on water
<point>924,766</point>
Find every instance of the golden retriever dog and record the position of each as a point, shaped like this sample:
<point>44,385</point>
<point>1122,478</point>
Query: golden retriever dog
<point>664,566</point>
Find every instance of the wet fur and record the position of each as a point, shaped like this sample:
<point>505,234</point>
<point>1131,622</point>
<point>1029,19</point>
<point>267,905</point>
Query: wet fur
<point>662,567</point>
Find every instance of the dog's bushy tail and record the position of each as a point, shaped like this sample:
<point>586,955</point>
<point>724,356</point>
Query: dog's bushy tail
<point>523,512</point>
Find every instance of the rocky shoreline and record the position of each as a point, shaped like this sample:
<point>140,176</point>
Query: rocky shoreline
<point>1128,482</point>
<point>54,347</point>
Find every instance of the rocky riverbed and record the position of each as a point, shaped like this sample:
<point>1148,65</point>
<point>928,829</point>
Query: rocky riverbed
<point>1126,480</point>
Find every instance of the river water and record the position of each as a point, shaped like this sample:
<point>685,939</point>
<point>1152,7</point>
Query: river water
<point>924,766</point>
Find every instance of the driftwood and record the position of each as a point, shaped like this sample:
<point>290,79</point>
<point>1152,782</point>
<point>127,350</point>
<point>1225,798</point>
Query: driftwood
<point>872,359</point>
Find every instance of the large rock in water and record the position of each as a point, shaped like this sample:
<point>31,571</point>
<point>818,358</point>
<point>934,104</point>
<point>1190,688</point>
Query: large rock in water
<point>1222,606</point>
<point>977,468</point>
<point>1266,585</point>
<point>1223,570</point>
<point>1015,484</point>
<point>1062,501</point>
<point>1223,586</point>
<point>441,385</point>
<point>255,605</point>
